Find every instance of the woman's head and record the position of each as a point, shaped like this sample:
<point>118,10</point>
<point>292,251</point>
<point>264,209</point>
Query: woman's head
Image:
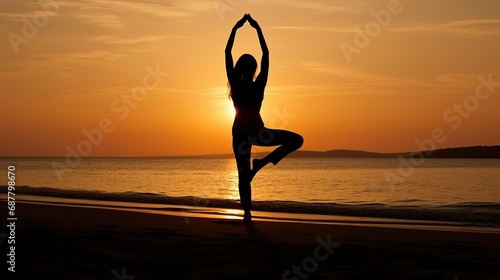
<point>245,67</point>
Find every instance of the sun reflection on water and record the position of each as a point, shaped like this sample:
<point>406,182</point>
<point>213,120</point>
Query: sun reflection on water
<point>232,182</point>
<point>231,191</point>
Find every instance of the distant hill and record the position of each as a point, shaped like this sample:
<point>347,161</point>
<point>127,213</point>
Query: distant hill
<point>345,154</point>
<point>465,152</point>
<point>462,152</point>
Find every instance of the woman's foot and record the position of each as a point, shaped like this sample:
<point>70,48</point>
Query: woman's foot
<point>257,165</point>
<point>247,218</point>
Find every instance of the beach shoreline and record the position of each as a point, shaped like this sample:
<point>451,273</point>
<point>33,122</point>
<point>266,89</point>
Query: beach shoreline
<point>63,242</point>
<point>189,211</point>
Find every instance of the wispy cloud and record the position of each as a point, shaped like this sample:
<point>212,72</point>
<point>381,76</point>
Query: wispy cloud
<point>103,19</point>
<point>166,9</point>
<point>104,13</point>
<point>323,6</point>
<point>129,39</point>
<point>15,16</point>
<point>58,65</point>
<point>313,28</point>
<point>115,91</point>
<point>349,74</point>
<point>479,28</point>
<point>350,80</point>
<point>15,11</point>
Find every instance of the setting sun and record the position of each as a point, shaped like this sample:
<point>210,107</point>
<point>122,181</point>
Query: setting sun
<point>231,111</point>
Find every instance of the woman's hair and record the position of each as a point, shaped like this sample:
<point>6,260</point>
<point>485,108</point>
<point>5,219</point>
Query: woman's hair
<point>246,66</point>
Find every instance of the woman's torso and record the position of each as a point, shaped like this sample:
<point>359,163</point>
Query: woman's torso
<point>247,100</point>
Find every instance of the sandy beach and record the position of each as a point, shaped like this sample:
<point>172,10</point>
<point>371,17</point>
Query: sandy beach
<point>65,242</point>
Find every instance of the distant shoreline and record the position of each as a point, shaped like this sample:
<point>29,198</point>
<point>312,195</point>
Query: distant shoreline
<point>461,152</point>
<point>486,152</point>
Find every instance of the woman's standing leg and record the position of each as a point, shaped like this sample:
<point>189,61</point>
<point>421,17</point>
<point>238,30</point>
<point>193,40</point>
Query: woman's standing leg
<point>242,151</point>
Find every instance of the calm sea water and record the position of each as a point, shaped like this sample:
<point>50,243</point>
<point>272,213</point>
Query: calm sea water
<point>318,182</point>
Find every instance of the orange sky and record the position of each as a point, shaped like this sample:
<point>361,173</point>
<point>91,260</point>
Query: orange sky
<point>130,78</point>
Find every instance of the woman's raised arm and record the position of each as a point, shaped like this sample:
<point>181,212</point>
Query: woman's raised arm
<point>264,64</point>
<point>229,47</point>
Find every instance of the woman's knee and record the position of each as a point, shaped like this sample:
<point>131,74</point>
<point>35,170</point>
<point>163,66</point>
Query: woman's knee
<point>298,140</point>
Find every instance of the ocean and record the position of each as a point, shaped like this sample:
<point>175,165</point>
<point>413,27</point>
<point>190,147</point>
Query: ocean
<point>461,191</point>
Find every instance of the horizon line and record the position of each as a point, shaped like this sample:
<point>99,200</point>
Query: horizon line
<point>230,154</point>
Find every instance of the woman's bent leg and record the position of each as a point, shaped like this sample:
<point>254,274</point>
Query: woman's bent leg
<point>242,151</point>
<point>288,142</point>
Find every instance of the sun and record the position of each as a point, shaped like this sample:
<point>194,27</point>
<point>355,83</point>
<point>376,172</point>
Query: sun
<point>232,111</point>
<point>226,112</point>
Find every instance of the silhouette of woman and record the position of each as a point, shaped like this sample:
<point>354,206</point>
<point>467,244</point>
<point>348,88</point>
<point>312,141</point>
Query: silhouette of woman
<point>248,128</point>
